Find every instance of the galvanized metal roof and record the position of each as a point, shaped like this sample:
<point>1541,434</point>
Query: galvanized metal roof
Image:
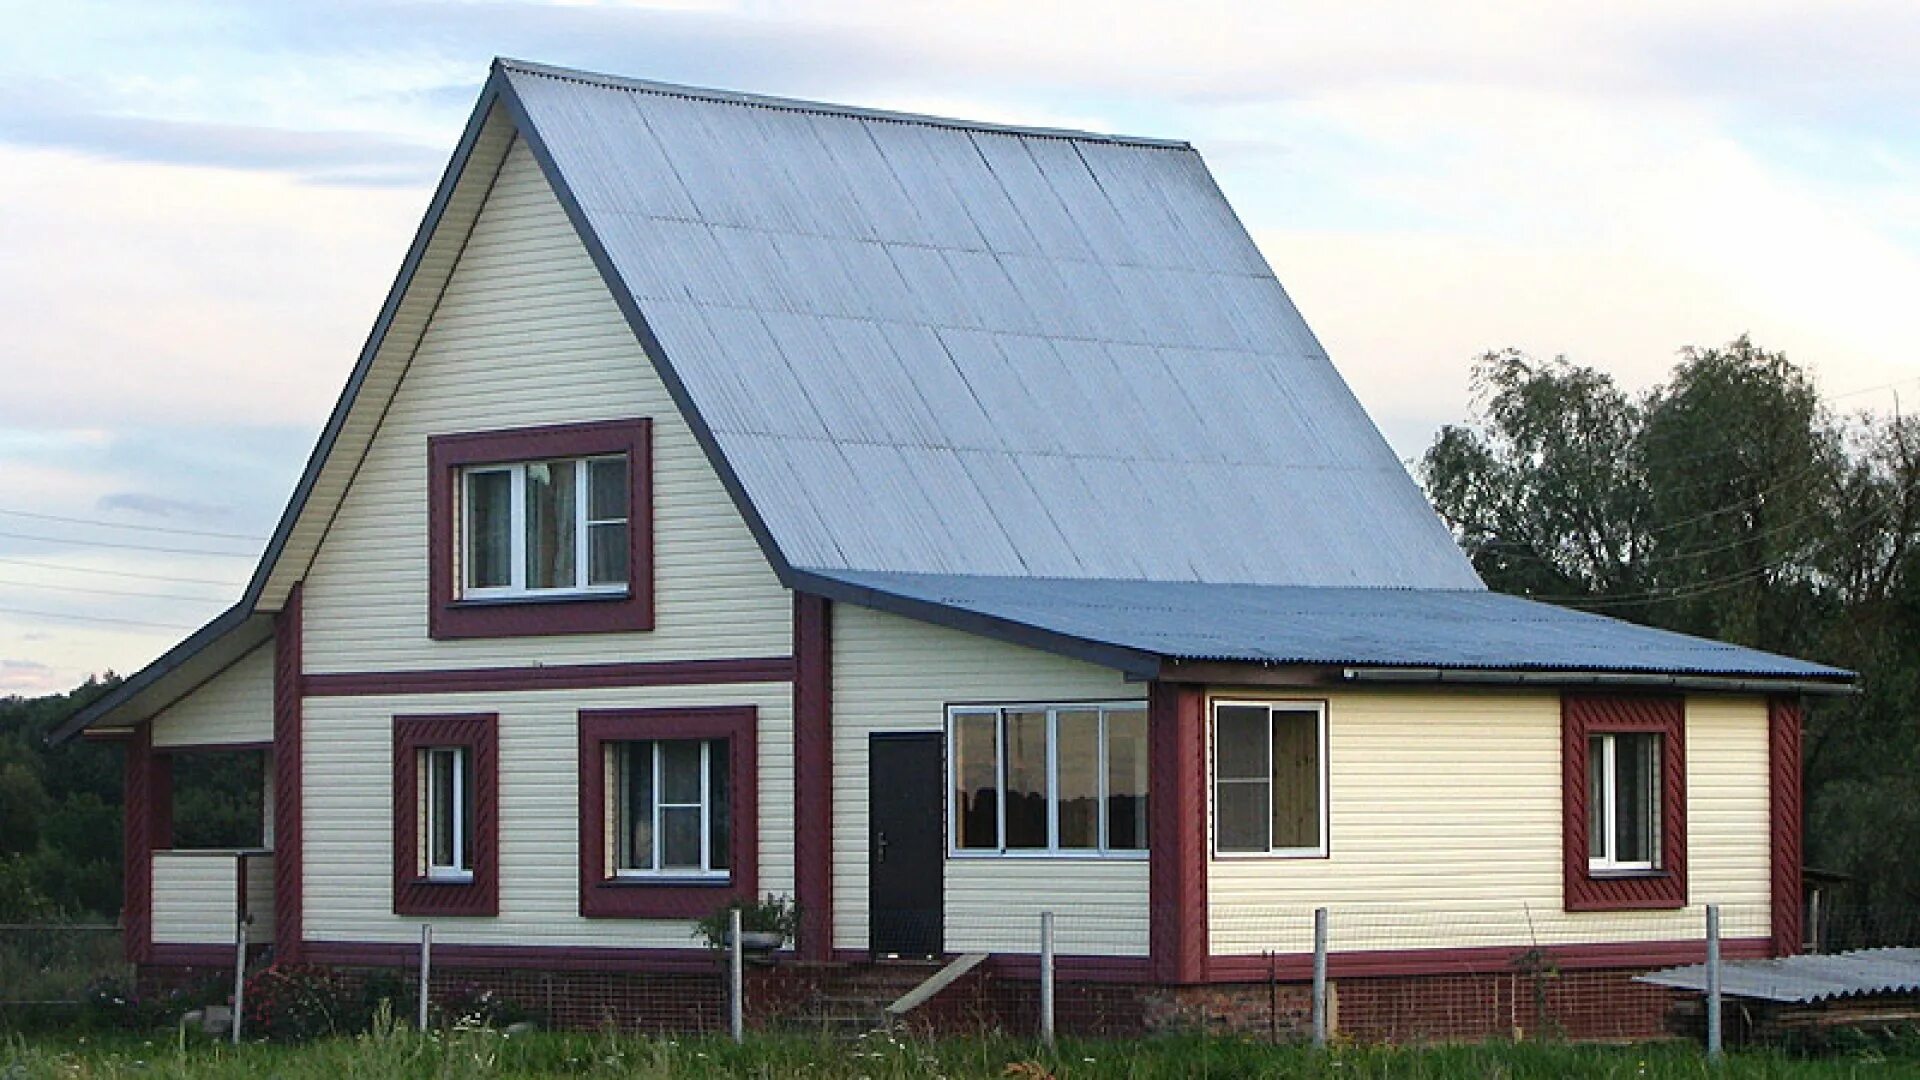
<point>1804,980</point>
<point>930,346</point>
<point>1461,629</point>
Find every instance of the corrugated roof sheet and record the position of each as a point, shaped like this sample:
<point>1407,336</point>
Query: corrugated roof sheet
<point>928,346</point>
<point>1438,628</point>
<point>1805,980</point>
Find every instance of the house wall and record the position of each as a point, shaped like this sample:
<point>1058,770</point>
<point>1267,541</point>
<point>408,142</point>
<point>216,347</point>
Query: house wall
<point>896,674</point>
<point>1446,825</point>
<point>527,334</point>
<point>235,706</point>
<point>196,897</point>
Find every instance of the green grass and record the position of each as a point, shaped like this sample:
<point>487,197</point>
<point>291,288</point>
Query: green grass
<point>402,1054</point>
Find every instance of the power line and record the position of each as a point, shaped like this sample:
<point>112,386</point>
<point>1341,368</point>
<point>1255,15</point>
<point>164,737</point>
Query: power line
<point>118,573</point>
<point>130,525</point>
<point>105,592</point>
<point>94,619</point>
<point>126,547</point>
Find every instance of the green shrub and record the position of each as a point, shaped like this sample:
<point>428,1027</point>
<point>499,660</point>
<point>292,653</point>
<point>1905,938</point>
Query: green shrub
<point>775,914</point>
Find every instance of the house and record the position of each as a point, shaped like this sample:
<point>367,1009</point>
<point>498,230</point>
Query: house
<point>939,523</point>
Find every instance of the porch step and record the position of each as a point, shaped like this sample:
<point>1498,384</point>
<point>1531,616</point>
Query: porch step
<point>939,981</point>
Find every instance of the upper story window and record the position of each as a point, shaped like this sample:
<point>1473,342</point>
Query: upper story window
<point>542,528</point>
<point>1040,780</point>
<point>1270,778</point>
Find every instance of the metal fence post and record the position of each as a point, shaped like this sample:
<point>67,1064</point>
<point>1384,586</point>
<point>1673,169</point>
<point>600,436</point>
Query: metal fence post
<point>426,970</point>
<point>239,973</point>
<point>1320,978</point>
<point>736,978</point>
<point>1713,982</point>
<point>1046,977</point>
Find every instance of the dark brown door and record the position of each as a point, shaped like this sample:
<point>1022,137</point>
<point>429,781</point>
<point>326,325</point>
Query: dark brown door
<point>905,843</point>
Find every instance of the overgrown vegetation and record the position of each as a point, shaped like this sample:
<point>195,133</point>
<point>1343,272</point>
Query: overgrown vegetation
<point>1729,502</point>
<point>393,1051</point>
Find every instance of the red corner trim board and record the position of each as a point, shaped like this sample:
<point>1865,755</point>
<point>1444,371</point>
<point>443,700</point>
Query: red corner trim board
<point>813,774</point>
<point>1787,812</point>
<point>288,926</point>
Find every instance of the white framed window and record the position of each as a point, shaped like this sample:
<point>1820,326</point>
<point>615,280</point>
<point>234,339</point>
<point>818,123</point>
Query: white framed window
<point>1051,780</point>
<point>1270,778</point>
<point>669,808</point>
<point>544,528</point>
<point>446,813</point>
<point>1623,801</point>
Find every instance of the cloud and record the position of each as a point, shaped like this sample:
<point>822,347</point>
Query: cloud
<point>27,677</point>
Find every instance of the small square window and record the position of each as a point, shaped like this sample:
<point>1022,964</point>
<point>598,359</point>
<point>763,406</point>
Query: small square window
<point>1269,778</point>
<point>542,528</point>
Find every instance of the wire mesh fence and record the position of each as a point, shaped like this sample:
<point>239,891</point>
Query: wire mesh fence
<point>49,969</point>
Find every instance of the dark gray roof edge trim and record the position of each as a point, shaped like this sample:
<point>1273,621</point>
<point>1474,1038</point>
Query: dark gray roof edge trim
<point>218,627</point>
<point>323,447</point>
<point>637,321</point>
<point>1754,682</point>
<point>1130,662</point>
<point>734,97</point>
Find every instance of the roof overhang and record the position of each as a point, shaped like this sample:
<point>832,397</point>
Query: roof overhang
<point>205,653</point>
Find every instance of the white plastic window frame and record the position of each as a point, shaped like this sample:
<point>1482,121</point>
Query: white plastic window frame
<point>583,522</point>
<point>1319,709</point>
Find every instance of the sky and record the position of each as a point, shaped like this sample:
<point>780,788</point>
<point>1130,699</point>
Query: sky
<point>202,205</point>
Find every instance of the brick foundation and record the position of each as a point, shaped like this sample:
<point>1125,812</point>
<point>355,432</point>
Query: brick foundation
<point>1589,1005</point>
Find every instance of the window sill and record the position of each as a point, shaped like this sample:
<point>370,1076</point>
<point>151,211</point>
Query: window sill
<point>667,882</point>
<point>1258,856</point>
<point>1049,856</point>
<point>445,879</point>
<point>556,597</point>
<point>1620,874</point>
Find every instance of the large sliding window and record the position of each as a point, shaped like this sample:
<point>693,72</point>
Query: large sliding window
<point>1048,779</point>
<point>1269,778</point>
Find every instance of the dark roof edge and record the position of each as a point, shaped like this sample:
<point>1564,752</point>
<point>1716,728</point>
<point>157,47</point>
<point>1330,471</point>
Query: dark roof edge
<point>219,627</point>
<point>637,321</point>
<point>1131,662</point>
<point>1731,683</point>
<point>323,447</point>
<point>734,97</point>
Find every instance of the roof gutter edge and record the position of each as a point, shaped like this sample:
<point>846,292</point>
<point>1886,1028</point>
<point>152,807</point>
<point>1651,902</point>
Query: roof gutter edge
<point>1636,680</point>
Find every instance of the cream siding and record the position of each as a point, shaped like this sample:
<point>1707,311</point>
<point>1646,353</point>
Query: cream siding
<point>348,768</point>
<point>235,706</point>
<point>528,334</point>
<point>1446,825</point>
<point>195,897</point>
<point>896,674</point>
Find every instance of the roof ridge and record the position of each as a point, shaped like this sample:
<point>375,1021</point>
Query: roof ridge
<point>825,108</point>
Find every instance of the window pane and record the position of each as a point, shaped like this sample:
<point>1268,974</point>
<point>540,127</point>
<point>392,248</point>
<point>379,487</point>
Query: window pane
<point>1026,780</point>
<point>1635,770</point>
<point>1127,780</point>
<point>550,525</point>
<point>1597,796</point>
<point>607,554</point>
<point>1240,815</point>
<point>1079,783</point>
<point>976,782</point>
<point>636,805</point>
<point>1240,742</point>
<point>719,807</point>
<point>607,489</point>
<point>680,838</point>
<point>680,772</point>
<point>1296,779</point>
<point>440,808</point>
<point>489,529</point>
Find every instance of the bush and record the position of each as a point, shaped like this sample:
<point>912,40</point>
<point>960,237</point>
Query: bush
<point>775,914</point>
<point>293,1003</point>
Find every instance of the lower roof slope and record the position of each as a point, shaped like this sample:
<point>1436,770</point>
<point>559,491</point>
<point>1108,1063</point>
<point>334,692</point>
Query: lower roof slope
<point>1441,630</point>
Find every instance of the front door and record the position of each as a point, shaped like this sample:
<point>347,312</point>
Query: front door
<point>905,843</point>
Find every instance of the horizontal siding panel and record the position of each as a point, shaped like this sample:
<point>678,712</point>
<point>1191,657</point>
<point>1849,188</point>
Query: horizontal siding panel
<point>1445,832</point>
<point>896,674</point>
<point>348,769</point>
<point>195,897</point>
<point>235,706</point>
<point>528,334</point>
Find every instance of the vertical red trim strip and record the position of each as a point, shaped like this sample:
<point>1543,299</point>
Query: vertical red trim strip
<point>1177,833</point>
<point>813,773</point>
<point>137,842</point>
<point>288,907</point>
<point>413,893</point>
<point>1787,812</point>
<point>1583,715</point>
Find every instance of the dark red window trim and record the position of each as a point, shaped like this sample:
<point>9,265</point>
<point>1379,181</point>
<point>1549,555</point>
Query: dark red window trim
<point>450,617</point>
<point>605,897</point>
<point>1585,715</point>
<point>413,893</point>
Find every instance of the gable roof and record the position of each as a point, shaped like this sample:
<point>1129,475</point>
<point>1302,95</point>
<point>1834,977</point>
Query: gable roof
<point>912,345</point>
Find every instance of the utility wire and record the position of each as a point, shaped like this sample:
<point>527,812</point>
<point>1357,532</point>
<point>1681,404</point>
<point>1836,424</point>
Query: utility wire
<point>130,525</point>
<point>5,584</point>
<point>117,573</point>
<point>94,619</point>
<point>126,547</point>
